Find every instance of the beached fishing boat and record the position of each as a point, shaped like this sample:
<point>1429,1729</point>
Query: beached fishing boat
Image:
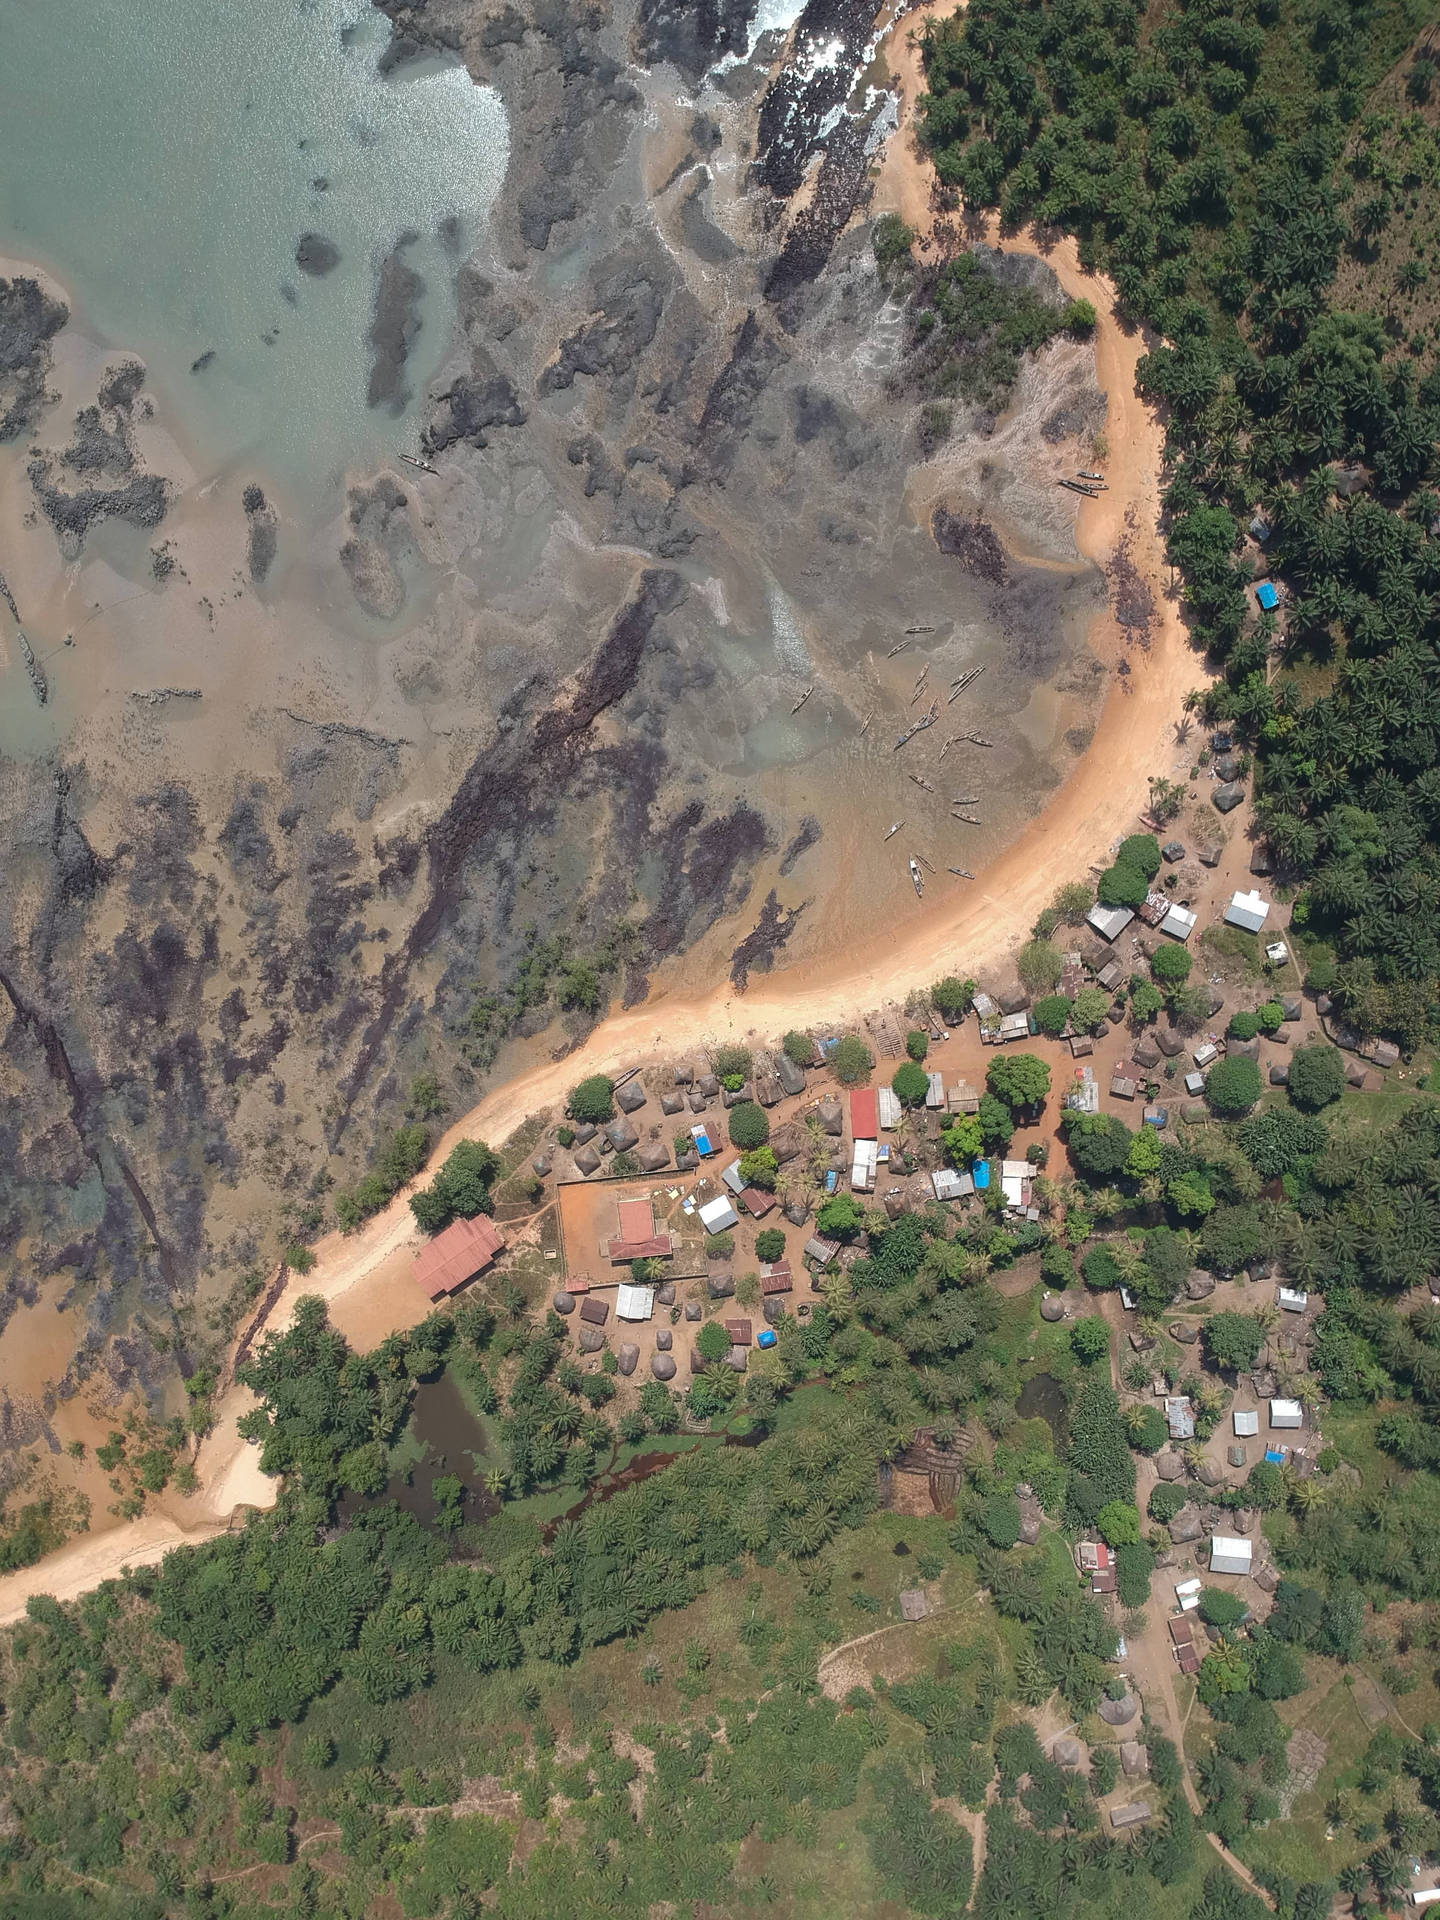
<point>970,819</point>
<point>918,878</point>
<point>961,874</point>
<point>894,830</point>
<point>423,465</point>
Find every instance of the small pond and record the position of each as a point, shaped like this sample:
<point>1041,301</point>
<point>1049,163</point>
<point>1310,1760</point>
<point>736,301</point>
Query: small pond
<point>1043,1398</point>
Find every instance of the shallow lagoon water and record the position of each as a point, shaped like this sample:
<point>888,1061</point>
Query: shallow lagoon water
<point>162,162</point>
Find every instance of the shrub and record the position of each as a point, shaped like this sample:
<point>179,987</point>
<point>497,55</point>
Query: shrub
<point>719,1246</point>
<point>953,997</point>
<point>852,1061</point>
<point>298,1257</point>
<point>1098,1145</point>
<point>799,1048</point>
<point>1100,1271</point>
<point>770,1245</point>
<point>565,1136</point>
<point>1317,1077</point>
<point>1119,1523</point>
<point>1243,1026</point>
<point>1166,1500</point>
<point>1171,966</point>
<point>1123,886</point>
<point>1232,1340</point>
<point>1052,1015</point>
<point>911,1084</point>
<point>997,1129</point>
<point>1146,1428</point>
<point>1021,1080</point>
<point>749,1126</point>
<point>1134,1564</point>
<point>1265,1486</point>
<point>1221,1609</point>
<point>1079,318</point>
<point>1140,850</point>
<point>1039,966</point>
<point>1146,1001</point>
<point>1090,1338</point>
<point>712,1342</point>
<point>840,1217</point>
<point>730,1060</point>
<point>461,1188</point>
<point>592,1100</point>
<point>1091,1006</point>
<point>1057,1265</point>
<point>1000,1520</point>
<point>758,1168</point>
<point>1233,1086</point>
<point>1271,1017</point>
<point>917,1044</point>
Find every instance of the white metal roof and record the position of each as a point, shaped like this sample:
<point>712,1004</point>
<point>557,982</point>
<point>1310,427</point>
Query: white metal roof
<point>1286,1413</point>
<point>1248,910</point>
<point>1182,1587</point>
<point>889,1103</point>
<point>936,1095</point>
<point>1109,922</point>
<point>1179,923</point>
<point>1292,1299</point>
<point>634,1303</point>
<point>1246,1424</point>
<point>718,1216</point>
<point>1229,1553</point>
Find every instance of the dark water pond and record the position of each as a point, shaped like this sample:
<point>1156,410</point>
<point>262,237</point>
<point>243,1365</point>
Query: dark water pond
<point>443,1436</point>
<point>1043,1398</point>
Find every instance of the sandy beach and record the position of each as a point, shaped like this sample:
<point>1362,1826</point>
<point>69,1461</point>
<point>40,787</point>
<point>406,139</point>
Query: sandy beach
<point>967,927</point>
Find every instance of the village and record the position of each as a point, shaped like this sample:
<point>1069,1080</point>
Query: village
<point>661,1237</point>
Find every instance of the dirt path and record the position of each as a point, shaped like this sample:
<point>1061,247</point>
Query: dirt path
<point>362,1276</point>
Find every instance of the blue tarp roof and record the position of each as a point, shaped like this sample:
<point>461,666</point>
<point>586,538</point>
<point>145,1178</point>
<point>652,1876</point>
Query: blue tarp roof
<point>982,1175</point>
<point>1267,596</point>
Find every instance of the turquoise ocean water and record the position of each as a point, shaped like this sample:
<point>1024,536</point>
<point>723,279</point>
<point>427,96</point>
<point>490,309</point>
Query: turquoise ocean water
<point>162,159</point>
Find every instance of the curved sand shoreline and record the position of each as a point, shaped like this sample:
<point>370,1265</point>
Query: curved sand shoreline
<point>976,926</point>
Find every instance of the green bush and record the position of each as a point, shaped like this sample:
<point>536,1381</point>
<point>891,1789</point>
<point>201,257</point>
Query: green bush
<point>1244,1026</point>
<point>1119,1523</point>
<point>770,1245</point>
<point>1233,1086</point>
<point>460,1190</point>
<point>911,1084</point>
<point>1000,1520</point>
<point>1100,1271</point>
<point>1134,1564</point>
<point>1147,1429</point>
<point>592,1100</point>
<point>712,1342</point>
<point>917,1044</point>
<point>719,1246</point>
<point>1039,965</point>
<point>852,1061</point>
<point>953,998</point>
<point>1091,1006</point>
<point>1171,966</point>
<point>1232,1340</point>
<point>1166,1500</point>
<point>1080,319</point>
<point>1123,886</point>
<point>799,1048</point>
<point>758,1168</point>
<point>730,1060</point>
<point>1057,1265</point>
<point>1140,850</point>
<point>1271,1017</point>
<point>1052,1015</point>
<point>1317,1077</point>
<point>840,1217</point>
<point>749,1126</point>
<point>1090,1338</point>
<point>1221,1609</point>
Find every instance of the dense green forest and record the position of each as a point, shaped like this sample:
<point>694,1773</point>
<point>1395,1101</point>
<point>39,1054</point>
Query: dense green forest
<point>1259,182</point>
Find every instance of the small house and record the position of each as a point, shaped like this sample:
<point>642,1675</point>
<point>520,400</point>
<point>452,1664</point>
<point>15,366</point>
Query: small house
<point>1205,1053</point>
<point>1122,1087</point>
<point>950,1185</point>
<point>935,1092</point>
<point>634,1303</point>
<point>757,1202</point>
<point>1277,953</point>
<point>791,1077</point>
<point>1081,1046</point>
<point>1247,910</point>
<point>631,1097</point>
<point>862,1165</point>
<point>1246,1425</point>
<point>1229,1553</point>
<point>704,1146</point>
<point>1013,1026</point>
<point>1135,1815</point>
<point>1195,1082</point>
<point>1110,976</point>
<point>1109,922</point>
<point>1092,1556</point>
<point>1291,1299</point>
<point>1179,923</point>
<point>465,1248</point>
<point>1286,1413</point>
<point>732,1177</point>
<point>739,1332</point>
<point>963,1098</point>
<point>864,1114</point>
<point>718,1216</point>
<point>593,1311</point>
<point>890,1110</point>
<point>822,1252</point>
<point>1179,1417</point>
<point>1267,595</point>
<point>776,1278</point>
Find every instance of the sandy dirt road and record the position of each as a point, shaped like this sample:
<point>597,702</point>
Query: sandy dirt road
<point>364,1276</point>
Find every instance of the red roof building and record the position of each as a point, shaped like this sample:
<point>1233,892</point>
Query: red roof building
<point>637,1238</point>
<point>739,1332</point>
<point>757,1202</point>
<point>865,1113</point>
<point>465,1248</point>
<point>596,1312</point>
<point>777,1278</point>
<point>1189,1659</point>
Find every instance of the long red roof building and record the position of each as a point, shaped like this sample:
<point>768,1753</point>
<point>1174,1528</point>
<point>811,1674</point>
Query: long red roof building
<point>465,1248</point>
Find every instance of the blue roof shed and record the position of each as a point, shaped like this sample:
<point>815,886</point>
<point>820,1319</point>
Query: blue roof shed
<point>982,1175</point>
<point>1267,595</point>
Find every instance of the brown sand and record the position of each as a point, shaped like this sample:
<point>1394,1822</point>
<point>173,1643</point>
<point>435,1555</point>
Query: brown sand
<point>366,1277</point>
